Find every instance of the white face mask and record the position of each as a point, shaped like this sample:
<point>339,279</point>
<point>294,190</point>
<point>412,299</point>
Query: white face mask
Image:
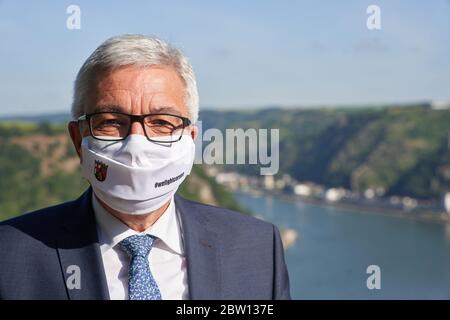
<point>135,175</point>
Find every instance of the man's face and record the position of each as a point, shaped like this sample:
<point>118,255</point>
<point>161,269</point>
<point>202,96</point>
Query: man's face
<point>137,91</point>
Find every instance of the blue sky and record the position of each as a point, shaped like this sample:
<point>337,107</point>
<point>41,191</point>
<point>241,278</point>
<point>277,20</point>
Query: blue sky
<point>244,53</point>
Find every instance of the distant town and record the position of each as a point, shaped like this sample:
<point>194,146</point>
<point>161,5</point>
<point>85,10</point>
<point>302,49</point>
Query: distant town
<point>373,200</point>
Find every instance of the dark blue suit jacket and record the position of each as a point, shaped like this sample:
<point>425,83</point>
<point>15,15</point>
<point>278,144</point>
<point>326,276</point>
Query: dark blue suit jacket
<point>229,255</point>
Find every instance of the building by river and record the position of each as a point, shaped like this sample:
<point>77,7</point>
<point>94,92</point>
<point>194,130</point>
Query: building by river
<point>371,199</point>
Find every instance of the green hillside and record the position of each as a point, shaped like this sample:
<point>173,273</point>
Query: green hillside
<point>404,150</point>
<point>39,167</point>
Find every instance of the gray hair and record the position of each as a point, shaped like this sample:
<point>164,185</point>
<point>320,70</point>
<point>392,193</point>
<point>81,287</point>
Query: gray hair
<point>140,51</point>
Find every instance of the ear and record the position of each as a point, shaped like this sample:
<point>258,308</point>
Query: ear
<point>75,135</point>
<point>194,132</point>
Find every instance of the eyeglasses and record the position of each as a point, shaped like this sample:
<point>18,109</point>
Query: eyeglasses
<point>116,126</point>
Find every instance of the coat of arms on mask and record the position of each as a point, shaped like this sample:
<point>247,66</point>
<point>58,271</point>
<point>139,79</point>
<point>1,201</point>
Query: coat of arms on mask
<point>100,170</point>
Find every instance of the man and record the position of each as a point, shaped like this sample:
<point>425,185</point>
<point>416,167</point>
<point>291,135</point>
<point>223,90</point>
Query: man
<point>129,236</point>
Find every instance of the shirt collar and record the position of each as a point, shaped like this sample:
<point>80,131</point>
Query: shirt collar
<point>111,230</point>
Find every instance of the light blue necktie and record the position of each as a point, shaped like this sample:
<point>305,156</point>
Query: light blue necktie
<point>141,284</point>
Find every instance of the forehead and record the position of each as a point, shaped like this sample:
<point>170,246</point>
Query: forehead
<point>138,90</point>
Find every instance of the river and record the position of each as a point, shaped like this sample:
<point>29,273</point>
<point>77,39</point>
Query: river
<point>335,246</point>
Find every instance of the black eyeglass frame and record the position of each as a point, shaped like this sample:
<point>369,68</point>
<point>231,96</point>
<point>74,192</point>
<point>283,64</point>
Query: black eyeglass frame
<point>134,118</point>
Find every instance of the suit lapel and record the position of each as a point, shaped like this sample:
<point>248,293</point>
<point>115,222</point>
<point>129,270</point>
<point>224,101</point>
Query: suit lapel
<point>79,253</point>
<point>78,246</point>
<point>202,253</point>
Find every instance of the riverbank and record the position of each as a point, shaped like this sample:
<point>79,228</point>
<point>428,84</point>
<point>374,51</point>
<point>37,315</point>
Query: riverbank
<point>355,207</point>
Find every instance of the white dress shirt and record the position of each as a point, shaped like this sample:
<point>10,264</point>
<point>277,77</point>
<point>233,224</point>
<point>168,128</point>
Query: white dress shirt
<point>167,260</point>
